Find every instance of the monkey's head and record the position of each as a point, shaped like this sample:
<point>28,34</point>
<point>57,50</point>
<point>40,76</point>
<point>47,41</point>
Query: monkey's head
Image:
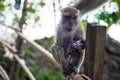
<point>70,17</point>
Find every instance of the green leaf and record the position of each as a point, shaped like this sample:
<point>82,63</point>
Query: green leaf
<point>37,18</point>
<point>9,4</point>
<point>1,1</point>
<point>15,19</point>
<point>31,10</point>
<point>28,52</point>
<point>31,3</point>
<point>84,23</point>
<point>2,8</point>
<point>42,4</point>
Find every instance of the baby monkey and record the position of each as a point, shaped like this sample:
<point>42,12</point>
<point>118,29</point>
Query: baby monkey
<point>70,41</point>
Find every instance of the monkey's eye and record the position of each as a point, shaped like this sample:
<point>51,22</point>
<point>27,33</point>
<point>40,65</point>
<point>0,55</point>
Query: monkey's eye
<point>66,16</point>
<point>74,17</point>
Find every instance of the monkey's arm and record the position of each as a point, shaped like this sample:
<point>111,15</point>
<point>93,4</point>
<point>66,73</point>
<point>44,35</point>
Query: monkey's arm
<point>87,5</point>
<point>56,54</point>
<point>81,59</point>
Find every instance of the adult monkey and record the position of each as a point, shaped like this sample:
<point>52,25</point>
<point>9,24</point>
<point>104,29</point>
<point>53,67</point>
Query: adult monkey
<point>70,41</point>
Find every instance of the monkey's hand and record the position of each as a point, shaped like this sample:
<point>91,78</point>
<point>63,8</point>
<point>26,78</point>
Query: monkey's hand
<point>67,69</point>
<point>79,44</point>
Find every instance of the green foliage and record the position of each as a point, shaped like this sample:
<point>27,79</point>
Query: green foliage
<point>49,75</point>
<point>37,18</point>
<point>1,1</point>
<point>15,19</point>
<point>31,10</point>
<point>42,4</point>
<point>46,74</point>
<point>9,5</point>
<point>2,17</point>
<point>110,18</point>
<point>46,42</point>
<point>84,23</point>
<point>5,62</point>
<point>2,7</point>
<point>21,75</point>
<point>59,2</point>
<point>27,51</point>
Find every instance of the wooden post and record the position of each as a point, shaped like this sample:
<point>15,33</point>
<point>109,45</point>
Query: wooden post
<point>95,49</point>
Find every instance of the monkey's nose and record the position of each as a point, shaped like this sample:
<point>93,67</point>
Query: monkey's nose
<point>71,23</point>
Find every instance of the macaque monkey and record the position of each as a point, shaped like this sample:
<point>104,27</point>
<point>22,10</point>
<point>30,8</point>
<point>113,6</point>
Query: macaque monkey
<point>70,40</point>
<point>70,44</point>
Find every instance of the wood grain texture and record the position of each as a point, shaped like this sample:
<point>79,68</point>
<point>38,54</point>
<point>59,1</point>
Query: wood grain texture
<point>95,49</point>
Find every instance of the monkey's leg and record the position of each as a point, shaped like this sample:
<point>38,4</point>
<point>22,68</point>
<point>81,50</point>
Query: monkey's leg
<point>58,54</point>
<point>67,68</point>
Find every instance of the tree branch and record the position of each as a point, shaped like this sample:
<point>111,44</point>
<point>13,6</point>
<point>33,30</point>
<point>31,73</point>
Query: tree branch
<point>20,61</point>
<point>87,5</point>
<point>3,74</point>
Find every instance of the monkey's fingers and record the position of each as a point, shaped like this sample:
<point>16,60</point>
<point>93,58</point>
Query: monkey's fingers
<point>67,69</point>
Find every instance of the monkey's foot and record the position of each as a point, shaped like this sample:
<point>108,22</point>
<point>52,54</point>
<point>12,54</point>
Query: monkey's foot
<point>67,69</point>
<point>79,44</point>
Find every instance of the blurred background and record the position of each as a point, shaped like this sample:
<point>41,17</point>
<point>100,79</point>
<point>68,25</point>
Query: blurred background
<point>41,19</point>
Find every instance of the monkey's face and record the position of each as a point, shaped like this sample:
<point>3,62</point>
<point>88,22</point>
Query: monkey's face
<point>70,18</point>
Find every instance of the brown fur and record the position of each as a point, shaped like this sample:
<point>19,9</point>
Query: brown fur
<point>70,10</point>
